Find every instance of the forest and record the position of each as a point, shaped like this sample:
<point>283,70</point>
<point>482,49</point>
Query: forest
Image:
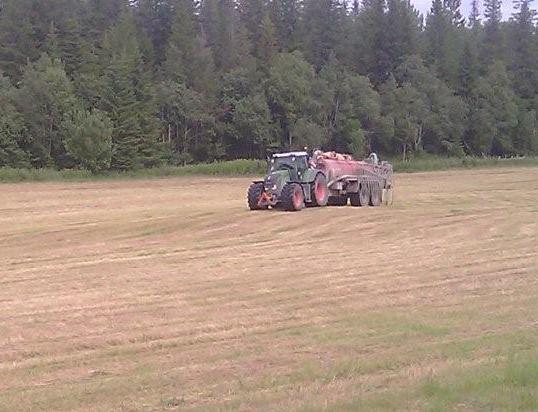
<point>120,85</point>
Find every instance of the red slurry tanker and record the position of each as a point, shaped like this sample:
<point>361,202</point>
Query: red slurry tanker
<point>296,179</point>
<point>363,182</point>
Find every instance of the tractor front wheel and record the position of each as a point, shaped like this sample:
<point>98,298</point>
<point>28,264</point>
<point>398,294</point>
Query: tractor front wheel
<point>292,197</point>
<point>255,192</point>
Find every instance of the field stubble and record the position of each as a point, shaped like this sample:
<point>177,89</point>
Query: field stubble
<point>168,294</point>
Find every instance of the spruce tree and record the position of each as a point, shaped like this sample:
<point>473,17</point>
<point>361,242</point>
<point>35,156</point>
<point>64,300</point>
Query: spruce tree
<point>321,30</point>
<point>474,17</point>
<point>403,36</point>
<point>225,34</point>
<point>129,99</point>
<point>17,42</point>
<point>442,50</point>
<point>494,114</point>
<point>187,60</point>
<point>267,43</point>
<point>285,15</point>
<point>252,13</point>
<point>524,50</point>
<point>155,17</point>
<point>493,37</point>
<point>371,45</point>
<point>453,6</point>
<point>123,109</point>
<point>469,70</point>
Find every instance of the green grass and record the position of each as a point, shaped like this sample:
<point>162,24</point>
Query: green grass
<point>493,373</point>
<point>432,163</point>
<point>500,384</point>
<point>245,167</point>
<point>510,384</point>
<point>240,167</point>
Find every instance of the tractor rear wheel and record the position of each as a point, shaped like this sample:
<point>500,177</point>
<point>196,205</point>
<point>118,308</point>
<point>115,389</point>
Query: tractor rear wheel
<point>364,194</point>
<point>375,194</point>
<point>292,197</point>
<point>254,194</point>
<point>320,191</point>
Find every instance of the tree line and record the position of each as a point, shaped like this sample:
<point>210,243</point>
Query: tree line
<point>118,84</point>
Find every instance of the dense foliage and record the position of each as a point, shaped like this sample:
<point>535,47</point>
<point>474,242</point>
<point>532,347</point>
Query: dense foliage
<point>118,84</point>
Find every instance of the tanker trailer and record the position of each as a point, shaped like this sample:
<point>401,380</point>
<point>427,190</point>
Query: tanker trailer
<point>366,182</point>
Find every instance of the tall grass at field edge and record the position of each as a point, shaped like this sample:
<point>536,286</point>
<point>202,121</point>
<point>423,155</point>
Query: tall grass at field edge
<point>426,164</point>
<point>245,167</point>
<point>240,167</point>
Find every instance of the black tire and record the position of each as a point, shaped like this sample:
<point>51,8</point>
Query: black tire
<point>354,199</point>
<point>375,194</point>
<point>320,198</point>
<point>254,193</point>
<point>292,197</point>
<point>364,194</point>
<point>337,201</point>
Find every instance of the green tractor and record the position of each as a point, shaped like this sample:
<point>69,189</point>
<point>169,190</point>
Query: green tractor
<point>292,182</point>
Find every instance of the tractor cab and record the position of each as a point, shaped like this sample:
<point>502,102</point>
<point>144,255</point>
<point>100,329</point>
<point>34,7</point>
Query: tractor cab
<point>295,163</point>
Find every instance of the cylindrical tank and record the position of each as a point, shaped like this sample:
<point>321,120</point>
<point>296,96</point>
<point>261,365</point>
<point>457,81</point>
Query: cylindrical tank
<point>337,168</point>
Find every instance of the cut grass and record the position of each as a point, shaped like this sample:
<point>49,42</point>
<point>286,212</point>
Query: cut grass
<point>502,384</point>
<point>156,295</point>
<point>245,167</point>
<point>506,381</point>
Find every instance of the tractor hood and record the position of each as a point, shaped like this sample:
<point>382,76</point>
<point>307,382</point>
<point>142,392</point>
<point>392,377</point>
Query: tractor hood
<point>275,181</point>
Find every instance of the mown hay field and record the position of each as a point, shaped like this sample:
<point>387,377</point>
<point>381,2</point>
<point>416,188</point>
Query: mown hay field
<point>167,294</point>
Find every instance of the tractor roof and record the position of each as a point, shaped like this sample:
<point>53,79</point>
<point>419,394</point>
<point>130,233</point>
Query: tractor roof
<point>290,154</point>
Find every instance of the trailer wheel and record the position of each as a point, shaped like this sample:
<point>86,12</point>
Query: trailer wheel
<point>292,197</point>
<point>354,199</point>
<point>320,191</point>
<point>375,194</point>
<point>253,197</point>
<point>364,194</point>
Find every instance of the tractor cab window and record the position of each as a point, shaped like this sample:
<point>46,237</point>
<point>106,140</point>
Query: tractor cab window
<point>289,162</point>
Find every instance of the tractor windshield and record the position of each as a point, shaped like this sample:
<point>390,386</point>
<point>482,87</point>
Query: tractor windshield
<point>288,162</point>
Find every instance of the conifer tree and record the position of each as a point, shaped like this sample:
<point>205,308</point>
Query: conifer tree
<point>373,59</point>
<point>474,17</point>
<point>17,42</point>
<point>285,15</point>
<point>493,37</point>
<point>187,60</point>
<point>129,100</point>
<point>524,50</point>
